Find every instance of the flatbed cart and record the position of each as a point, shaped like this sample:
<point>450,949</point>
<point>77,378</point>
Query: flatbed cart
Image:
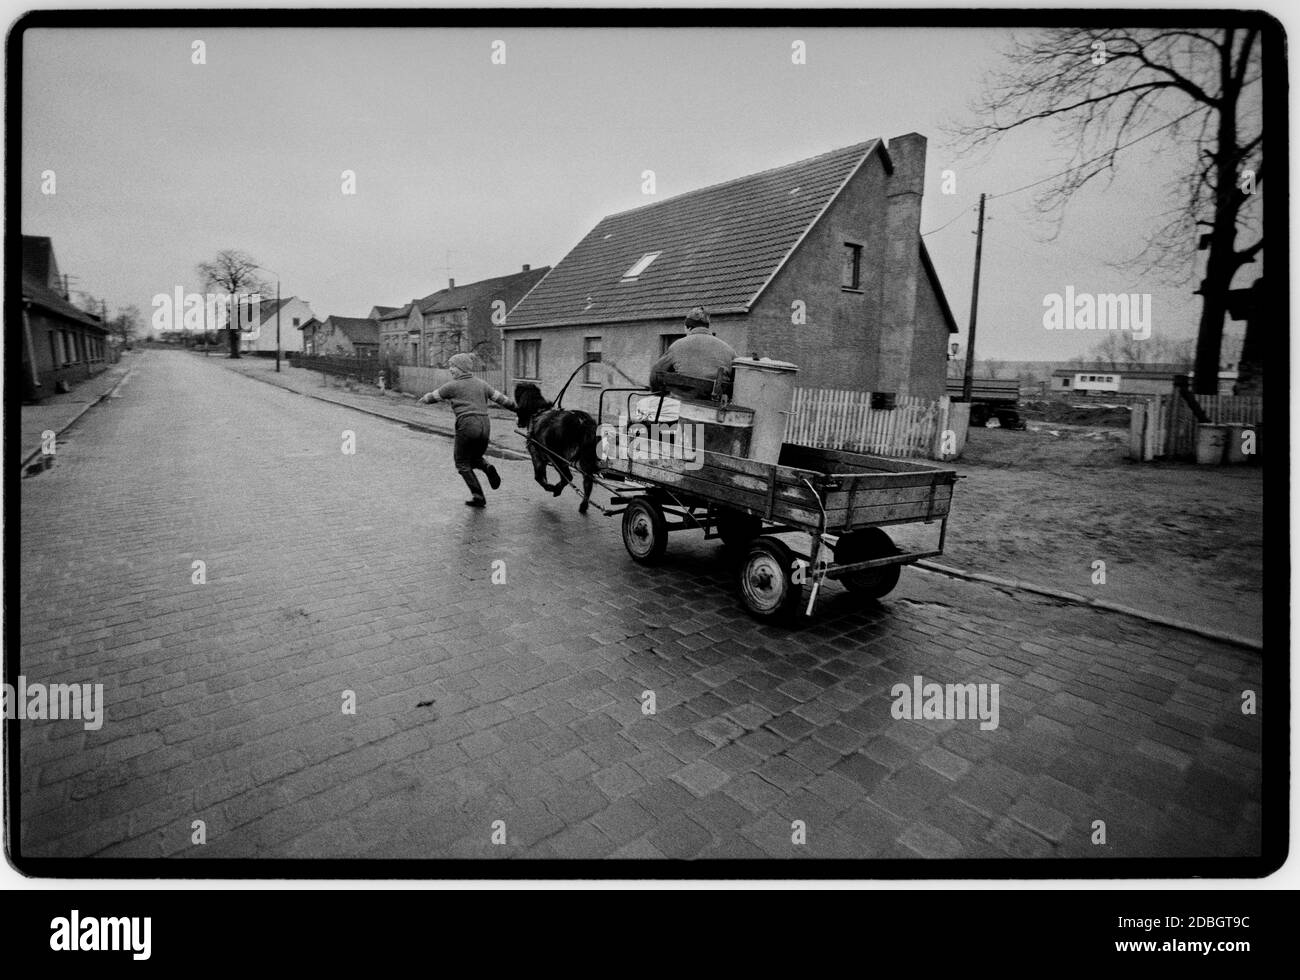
<point>842,500</point>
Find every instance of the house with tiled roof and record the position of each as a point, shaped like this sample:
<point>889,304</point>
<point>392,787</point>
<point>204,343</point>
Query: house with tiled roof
<point>261,337</point>
<point>61,344</point>
<point>336,335</point>
<point>468,318</point>
<point>818,262</point>
<point>401,334</point>
<point>465,318</point>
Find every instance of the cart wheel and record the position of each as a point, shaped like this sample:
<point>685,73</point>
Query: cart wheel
<point>865,545</point>
<point>767,584</point>
<point>737,528</point>
<point>645,532</point>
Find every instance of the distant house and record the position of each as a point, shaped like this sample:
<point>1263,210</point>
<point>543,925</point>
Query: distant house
<point>401,334</point>
<point>309,330</point>
<point>1123,379</point>
<point>458,319</point>
<point>261,339</point>
<point>468,318</point>
<point>60,343</point>
<point>350,335</point>
<point>818,262</point>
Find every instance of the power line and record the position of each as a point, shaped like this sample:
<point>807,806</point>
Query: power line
<point>960,214</point>
<point>1110,152</point>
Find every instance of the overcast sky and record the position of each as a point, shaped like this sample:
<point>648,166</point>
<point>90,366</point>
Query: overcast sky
<point>472,169</point>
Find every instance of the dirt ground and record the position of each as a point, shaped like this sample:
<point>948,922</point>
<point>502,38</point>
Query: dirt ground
<point>1177,539</point>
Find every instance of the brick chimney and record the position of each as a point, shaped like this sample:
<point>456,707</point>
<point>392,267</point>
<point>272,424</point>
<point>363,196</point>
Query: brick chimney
<point>527,267</point>
<point>902,270</point>
<point>451,283</point>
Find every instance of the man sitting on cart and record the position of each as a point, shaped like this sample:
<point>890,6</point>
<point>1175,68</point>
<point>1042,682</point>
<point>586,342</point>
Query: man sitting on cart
<point>690,366</point>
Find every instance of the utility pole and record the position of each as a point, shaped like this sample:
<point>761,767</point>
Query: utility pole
<point>967,382</point>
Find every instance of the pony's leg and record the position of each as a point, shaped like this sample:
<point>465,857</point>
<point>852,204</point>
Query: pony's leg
<point>566,476</point>
<point>539,469</point>
<point>586,492</point>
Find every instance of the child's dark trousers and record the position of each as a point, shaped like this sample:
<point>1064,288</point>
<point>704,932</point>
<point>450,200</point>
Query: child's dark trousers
<point>472,432</point>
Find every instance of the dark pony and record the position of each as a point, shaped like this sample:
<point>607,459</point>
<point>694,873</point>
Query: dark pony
<point>558,437</point>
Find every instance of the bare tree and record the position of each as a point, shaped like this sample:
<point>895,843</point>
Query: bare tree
<point>1119,348</point>
<point>1102,90</point>
<point>236,273</point>
<point>126,324</point>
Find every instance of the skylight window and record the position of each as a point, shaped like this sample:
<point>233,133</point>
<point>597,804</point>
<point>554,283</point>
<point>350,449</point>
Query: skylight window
<point>640,266</point>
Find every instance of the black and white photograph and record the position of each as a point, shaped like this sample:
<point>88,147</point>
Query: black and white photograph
<point>783,444</point>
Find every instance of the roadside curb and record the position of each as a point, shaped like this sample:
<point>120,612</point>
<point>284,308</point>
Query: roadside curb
<point>494,449</point>
<point>73,421</point>
<point>1103,604</point>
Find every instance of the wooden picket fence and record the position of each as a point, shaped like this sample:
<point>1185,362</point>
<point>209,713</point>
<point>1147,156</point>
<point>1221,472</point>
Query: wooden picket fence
<point>1164,426</point>
<point>418,380</point>
<point>1233,408</point>
<point>828,418</point>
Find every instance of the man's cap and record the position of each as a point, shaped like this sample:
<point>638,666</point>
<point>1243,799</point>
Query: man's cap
<point>697,317</point>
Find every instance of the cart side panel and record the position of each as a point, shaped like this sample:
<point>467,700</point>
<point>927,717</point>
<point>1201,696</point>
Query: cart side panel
<point>766,496</point>
<point>879,506</point>
<point>834,461</point>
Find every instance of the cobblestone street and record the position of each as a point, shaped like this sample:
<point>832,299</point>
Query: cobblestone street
<point>522,701</point>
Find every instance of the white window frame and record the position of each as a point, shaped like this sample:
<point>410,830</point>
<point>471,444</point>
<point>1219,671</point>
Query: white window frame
<point>640,266</point>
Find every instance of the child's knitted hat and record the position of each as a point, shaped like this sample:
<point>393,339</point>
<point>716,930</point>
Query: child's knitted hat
<point>462,365</point>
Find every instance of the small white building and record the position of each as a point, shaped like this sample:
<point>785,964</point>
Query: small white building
<point>294,312</point>
<point>1125,379</point>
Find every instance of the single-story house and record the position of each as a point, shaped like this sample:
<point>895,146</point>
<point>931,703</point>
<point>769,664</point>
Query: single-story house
<point>351,335</point>
<point>1123,379</point>
<point>261,339</point>
<point>309,336</point>
<point>818,262</point>
<point>60,343</point>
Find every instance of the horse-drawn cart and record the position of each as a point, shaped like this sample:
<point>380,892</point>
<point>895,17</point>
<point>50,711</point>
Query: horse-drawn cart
<point>840,501</point>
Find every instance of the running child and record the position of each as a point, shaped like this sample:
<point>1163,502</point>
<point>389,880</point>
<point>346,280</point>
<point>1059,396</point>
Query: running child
<point>469,397</point>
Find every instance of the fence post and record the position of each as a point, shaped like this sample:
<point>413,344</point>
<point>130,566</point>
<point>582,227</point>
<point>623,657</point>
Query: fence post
<point>1137,432</point>
<point>941,426</point>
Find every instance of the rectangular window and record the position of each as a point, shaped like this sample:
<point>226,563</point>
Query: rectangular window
<point>1065,382</point>
<point>852,276</point>
<point>666,340</point>
<point>528,356</point>
<point>591,353</point>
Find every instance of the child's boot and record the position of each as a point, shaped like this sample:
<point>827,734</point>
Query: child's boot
<point>494,478</point>
<point>476,490</point>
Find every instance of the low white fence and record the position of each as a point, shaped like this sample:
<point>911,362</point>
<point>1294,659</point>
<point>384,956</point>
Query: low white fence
<point>828,418</point>
<point>418,380</point>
